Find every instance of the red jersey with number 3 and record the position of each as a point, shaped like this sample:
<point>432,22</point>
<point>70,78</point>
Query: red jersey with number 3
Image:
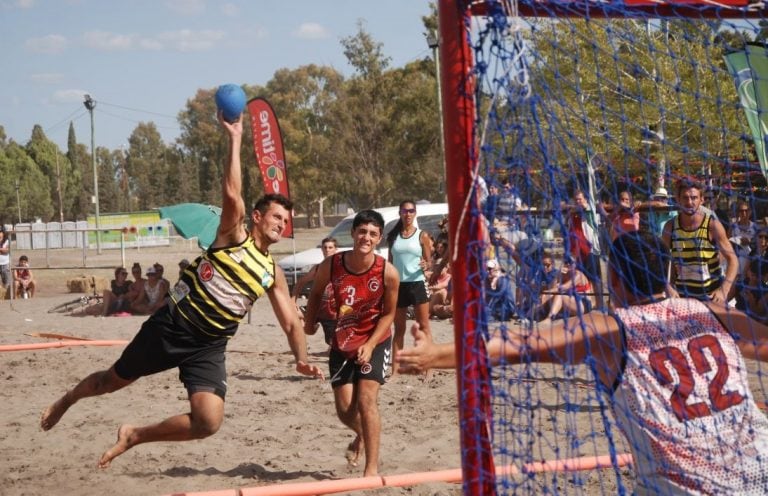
<point>683,401</point>
<point>359,303</point>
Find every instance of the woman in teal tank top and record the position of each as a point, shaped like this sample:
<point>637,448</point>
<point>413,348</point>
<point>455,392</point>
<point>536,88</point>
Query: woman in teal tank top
<point>410,250</point>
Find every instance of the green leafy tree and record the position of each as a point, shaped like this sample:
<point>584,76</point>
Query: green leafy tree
<point>108,164</point>
<point>638,96</point>
<point>302,98</point>
<point>361,124</point>
<point>78,187</point>
<point>203,140</point>
<point>146,166</point>
<point>415,148</point>
<point>54,166</point>
<point>32,200</point>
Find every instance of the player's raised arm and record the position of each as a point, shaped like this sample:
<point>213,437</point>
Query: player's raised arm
<point>231,230</point>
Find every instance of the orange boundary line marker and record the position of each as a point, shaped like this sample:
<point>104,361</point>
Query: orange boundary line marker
<point>401,480</point>
<point>61,344</point>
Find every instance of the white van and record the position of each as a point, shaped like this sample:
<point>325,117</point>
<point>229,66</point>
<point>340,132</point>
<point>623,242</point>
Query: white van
<point>428,215</point>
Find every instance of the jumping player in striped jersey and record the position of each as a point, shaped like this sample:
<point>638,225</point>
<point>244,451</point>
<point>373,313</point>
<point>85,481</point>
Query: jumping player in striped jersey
<point>365,291</point>
<point>203,312</point>
<point>672,368</point>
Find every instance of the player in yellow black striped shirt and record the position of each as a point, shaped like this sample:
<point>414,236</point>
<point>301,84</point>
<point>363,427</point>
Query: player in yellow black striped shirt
<point>204,309</point>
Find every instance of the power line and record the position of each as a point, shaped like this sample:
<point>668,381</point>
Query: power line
<point>134,120</point>
<point>67,119</point>
<point>137,110</point>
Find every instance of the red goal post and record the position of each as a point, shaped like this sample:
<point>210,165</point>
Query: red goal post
<point>466,234</point>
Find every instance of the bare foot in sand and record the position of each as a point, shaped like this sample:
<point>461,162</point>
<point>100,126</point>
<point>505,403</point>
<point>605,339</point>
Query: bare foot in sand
<point>354,450</point>
<point>53,413</point>
<point>121,446</point>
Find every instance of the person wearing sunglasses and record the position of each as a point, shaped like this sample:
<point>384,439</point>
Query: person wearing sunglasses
<point>116,298</point>
<point>410,251</point>
<point>742,233</point>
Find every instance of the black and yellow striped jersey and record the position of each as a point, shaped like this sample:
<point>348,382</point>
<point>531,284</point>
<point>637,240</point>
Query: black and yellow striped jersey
<point>216,291</point>
<point>696,259</point>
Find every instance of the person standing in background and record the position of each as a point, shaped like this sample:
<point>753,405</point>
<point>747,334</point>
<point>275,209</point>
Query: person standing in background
<point>410,251</point>
<point>5,258</point>
<point>697,241</point>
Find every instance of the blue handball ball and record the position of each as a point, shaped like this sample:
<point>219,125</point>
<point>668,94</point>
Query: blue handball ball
<point>230,99</point>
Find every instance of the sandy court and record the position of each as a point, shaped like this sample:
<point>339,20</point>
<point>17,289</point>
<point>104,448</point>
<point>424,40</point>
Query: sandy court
<point>279,427</point>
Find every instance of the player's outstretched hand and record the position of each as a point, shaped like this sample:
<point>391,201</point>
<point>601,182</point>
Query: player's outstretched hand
<point>233,128</point>
<point>419,359</point>
<point>310,370</point>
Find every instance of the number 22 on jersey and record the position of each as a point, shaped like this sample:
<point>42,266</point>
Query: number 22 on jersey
<point>662,359</point>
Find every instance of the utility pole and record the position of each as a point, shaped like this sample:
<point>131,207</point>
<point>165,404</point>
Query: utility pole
<point>18,199</point>
<point>433,41</point>
<point>90,104</point>
<point>58,189</point>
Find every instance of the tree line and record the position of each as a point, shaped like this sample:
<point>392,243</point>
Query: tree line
<point>368,140</point>
<point>373,138</point>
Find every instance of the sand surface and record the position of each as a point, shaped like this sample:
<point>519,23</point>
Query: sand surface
<point>279,427</point>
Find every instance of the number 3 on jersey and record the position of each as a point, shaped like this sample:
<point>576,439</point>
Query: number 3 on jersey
<point>720,400</point>
<point>349,300</point>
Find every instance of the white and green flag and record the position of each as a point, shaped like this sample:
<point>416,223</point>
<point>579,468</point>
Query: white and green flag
<point>749,68</point>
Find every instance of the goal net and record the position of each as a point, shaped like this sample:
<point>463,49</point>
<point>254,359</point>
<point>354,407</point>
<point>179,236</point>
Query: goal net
<point>545,101</point>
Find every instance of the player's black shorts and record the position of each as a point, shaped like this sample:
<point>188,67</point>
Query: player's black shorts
<point>329,327</point>
<point>164,343</point>
<point>347,371</point>
<point>412,293</point>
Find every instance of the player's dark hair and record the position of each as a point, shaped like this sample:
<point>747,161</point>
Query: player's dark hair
<point>329,239</point>
<point>688,182</point>
<point>641,260</point>
<point>392,234</point>
<point>368,217</point>
<point>263,203</point>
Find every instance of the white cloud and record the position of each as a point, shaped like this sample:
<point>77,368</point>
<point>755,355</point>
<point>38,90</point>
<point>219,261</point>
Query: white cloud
<point>47,78</point>
<point>149,44</point>
<point>68,96</point>
<point>186,7</point>
<point>311,31</point>
<point>103,40</point>
<point>186,40</point>
<point>25,4</point>
<point>51,44</point>
<point>230,10</point>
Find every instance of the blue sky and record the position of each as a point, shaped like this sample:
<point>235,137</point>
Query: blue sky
<point>142,60</point>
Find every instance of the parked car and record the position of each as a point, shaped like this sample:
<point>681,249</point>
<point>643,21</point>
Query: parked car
<point>428,217</point>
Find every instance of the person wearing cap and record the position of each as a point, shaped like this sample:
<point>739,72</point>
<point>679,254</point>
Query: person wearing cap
<point>5,258</point>
<point>697,241</point>
<point>659,211</point>
<point>152,296</point>
<point>190,333</point>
